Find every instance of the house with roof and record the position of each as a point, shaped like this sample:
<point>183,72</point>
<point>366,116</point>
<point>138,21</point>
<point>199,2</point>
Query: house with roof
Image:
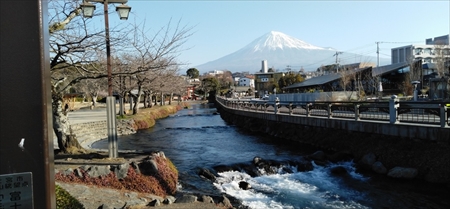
<point>350,77</point>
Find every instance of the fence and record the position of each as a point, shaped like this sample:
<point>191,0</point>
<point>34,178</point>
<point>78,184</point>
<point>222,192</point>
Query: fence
<point>427,113</point>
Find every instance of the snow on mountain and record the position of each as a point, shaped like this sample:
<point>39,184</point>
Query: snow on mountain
<point>280,51</point>
<point>277,40</point>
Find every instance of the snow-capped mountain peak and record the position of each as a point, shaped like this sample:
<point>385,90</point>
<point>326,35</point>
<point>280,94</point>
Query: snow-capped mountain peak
<point>276,40</point>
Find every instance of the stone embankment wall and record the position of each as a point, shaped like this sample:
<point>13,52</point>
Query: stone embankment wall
<point>87,133</point>
<point>431,160</point>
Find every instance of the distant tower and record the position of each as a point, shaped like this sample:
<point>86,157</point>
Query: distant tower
<point>264,68</point>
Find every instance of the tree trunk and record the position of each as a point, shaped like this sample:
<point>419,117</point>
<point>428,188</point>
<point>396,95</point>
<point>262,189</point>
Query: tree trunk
<point>67,141</point>
<point>150,102</point>
<point>138,99</point>
<point>145,100</point>
<point>162,99</point>
<point>171,98</point>
<point>94,100</point>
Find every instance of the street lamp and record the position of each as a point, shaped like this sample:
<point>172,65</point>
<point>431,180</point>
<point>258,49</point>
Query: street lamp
<point>123,11</point>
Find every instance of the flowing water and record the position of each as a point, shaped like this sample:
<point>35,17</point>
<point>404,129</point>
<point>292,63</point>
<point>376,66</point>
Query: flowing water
<point>198,138</point>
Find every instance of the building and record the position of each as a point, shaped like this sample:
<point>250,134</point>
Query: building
<point>265,80</point>
<point>354,78</point>
<point>434,57</point>
<point>432,52</point>
<point>246,82</point>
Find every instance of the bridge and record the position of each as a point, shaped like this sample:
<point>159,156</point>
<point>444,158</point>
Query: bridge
<point>406,119</point>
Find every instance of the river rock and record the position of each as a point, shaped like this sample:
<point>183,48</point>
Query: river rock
<point>186,199</point>
<point>367,161</point>
<point>169,200</point>
<point>340,156</point>
<point>319,155</point>
<point>304,165</point>
<point>244,185</point>
<point>207,199</point>
<point>148,166</point>
<point>121,171</point>
<point>155,203</point>
<point>225,202</point>
<point>400,172</point>
<point>338,171</point>
<point>378,167</point>
<point>96,171</point>
<point>205,173</point>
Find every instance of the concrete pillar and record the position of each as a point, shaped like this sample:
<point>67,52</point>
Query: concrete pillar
<point>112,127</point>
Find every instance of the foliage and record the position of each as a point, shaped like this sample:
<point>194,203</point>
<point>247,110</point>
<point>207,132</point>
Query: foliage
<point>192,73</point>
<point>162,183</point>
<point>210,84</point>
<point>147,117</point>
<point>65,201</point>
<point>289,79</point>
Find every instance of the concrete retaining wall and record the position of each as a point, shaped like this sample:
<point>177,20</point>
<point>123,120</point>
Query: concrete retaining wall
<point>430,157</point>
<point>90,132</point>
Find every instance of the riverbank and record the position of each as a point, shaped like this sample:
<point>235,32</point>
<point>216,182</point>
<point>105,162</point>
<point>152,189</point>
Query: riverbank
<point>86,193</point>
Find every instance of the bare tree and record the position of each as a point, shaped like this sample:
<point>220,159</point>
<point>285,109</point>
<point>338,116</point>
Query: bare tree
<point>76,50</point>
<point>93,89</point>
<point>442,58</point>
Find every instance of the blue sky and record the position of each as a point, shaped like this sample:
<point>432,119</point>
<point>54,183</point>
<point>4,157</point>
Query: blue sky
<point>223,27</point>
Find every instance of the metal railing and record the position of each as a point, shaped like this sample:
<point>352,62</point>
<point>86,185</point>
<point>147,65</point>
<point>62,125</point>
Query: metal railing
<point>394,111</point>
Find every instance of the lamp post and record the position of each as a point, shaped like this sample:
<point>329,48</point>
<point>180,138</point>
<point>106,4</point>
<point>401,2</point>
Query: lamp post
<point>123,11</point>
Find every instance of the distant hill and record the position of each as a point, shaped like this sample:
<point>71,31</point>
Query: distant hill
<point>280,51</point>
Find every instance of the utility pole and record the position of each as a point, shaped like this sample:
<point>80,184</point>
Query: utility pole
<point>378,53</point>
<point>337,65</point>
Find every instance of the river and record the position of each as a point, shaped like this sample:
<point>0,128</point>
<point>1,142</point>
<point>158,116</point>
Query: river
<point>197,138</point>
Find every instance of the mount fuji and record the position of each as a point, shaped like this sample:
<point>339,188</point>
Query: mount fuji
<point>280,51</point>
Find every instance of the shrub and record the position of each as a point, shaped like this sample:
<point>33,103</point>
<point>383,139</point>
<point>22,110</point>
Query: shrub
<point>161,184</point>
<point>65,201</point>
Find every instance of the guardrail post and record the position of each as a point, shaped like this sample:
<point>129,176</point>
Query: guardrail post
<point>265,107</point>
<point>277,102</point>
<point>443,116</point>
<point>330,113</point>
<point>357,116</point>
<point>290,108</point>
<point>393,106</point>
<point>308,113</point>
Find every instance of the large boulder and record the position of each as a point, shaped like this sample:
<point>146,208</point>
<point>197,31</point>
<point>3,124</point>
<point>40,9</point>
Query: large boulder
<point>96,171</point>
<point>205,173</point>
<point>244,185</point>
<point>378,167</point>
<point>400,172</point>
<point>186,199</point>
<point>338,171</point>
<point>148,166</point>
<point>319,155</point>
<point>121,171</point>
<point>367,161</point>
